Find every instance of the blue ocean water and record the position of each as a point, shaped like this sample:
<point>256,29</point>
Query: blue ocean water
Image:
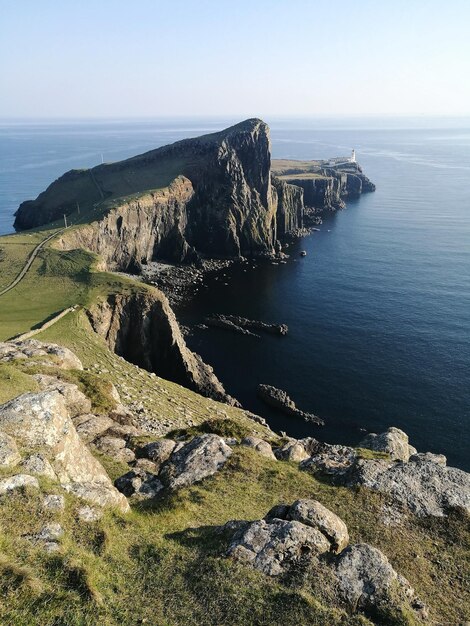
<point>378,310</point>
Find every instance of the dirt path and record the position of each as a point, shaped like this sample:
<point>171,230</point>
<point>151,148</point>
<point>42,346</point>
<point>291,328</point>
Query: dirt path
<point>29,262</point>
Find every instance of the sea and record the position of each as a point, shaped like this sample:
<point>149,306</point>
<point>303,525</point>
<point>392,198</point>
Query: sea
<point>379,308</point>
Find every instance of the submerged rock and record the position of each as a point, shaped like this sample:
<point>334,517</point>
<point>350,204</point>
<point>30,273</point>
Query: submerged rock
<point>243,325</point>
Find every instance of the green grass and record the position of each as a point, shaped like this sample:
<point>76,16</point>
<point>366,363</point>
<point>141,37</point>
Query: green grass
<point>13,382</point>
<point>164,562</point>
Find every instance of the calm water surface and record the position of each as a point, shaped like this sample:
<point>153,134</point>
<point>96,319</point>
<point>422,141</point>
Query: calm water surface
<point>378,310</point>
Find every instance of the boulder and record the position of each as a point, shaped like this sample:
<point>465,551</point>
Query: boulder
<point>115,447</point>
<point>48,537</point>
<point>41,420</point>
<point>139,484</point>
<point>9,454</point>
<point>367,579</point>
<point>312,513</point>
<point>331,460</point>
<point>425,487</point>
<point>157,451</point>
<point>393,441</point>
<point>91,426</point>
<point>291,451</point>
<point>203,456</point>
<point>261,446</point>
<point>18,481</point>
<point>275,545</point>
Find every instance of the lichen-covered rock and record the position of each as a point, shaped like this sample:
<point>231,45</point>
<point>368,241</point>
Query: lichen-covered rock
<point>367,579</point>
<point>275,545</point>
<point>115,447</point>
<point>31,348</point>
<point>293,450</point>
<point>38,464</point>
<point>41,420</point>
<point>332,460</point>
<point>89,427</point>
<point>422,457</point>
<point>76,402</point>
<point>139,483</point>
<point>393,441</point>
<point>89,514</point>
<point>203,456</point>
<point>426,487</point>
<point>18,481</point>
<point>313,513</point>
<point>261,446</point>
<point>9,454</point>
<point>157,451</point>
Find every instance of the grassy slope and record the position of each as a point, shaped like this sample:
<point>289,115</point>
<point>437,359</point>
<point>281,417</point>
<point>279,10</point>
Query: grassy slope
<point>163,563</point>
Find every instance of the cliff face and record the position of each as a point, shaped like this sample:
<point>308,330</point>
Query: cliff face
<point>289,202</point>
<point>138,230</point>
<point>220,204</point>
<point>143,329</point>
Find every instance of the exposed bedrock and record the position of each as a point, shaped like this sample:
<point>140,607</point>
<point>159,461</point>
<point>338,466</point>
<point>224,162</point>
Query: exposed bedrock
<point>289,203</point>
<point>143,329</point>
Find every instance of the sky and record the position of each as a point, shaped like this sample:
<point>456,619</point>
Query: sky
<point>292,58</point>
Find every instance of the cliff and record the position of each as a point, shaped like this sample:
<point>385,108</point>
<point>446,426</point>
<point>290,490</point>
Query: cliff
<point>220,204</point>
<point>213,196</point>
<point>142,328</point>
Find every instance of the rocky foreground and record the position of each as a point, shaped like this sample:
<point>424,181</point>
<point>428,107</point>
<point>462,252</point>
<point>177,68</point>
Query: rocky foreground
<point>52,443</point>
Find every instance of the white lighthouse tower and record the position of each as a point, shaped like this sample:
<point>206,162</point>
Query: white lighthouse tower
<point>353,156</point>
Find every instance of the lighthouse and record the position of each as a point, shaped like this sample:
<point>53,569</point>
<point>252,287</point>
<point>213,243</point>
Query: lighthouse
<point>353,156</point>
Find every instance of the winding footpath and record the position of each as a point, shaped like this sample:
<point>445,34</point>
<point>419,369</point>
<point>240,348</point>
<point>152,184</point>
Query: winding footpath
<point>29,262</point>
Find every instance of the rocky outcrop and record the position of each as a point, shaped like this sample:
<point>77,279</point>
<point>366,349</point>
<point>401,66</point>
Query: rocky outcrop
<point>423,486</point>
<point>41,423</point>
<point>173,466</point>
<point>322,192</point>
<point>44,353</point>
<point>304,533</point>
<point>394,442</point>
<point>142,328</point>
<point>243,325</point>
<point>279,400</point>
<point>261,446</point>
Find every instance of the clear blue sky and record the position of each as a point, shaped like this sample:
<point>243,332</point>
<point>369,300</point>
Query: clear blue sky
<point>130,58</point>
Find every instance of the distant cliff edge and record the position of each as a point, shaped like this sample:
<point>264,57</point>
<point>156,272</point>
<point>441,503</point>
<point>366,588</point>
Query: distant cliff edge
<point>212,196</point>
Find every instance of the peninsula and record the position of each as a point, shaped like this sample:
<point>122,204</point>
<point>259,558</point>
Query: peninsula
<point>133,489</point>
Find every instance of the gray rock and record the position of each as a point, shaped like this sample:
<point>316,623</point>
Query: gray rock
<point>426,487</point>
<point>139,484</point>
<point>31,348</point>
<point>332,460</point>
<point>292,451</point>
<point>157,451</point>
<point>38,464</point>
<point>367,579</point>
<point>54,502</point>
<point>261,446</point>
<point>440,459</point>
<point>89,427</point>
<point>393,441</point>
<point>203,456</point>
<point>9,454</point>
<point>115,447</point>
<point>17,482</point>
<point>273,546</point>
<point>89,514</point>
<point>76,402</point>
<point>42,420</point>
<point>48,537</point>
<point>146,465</point>
<point>314,514</point>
